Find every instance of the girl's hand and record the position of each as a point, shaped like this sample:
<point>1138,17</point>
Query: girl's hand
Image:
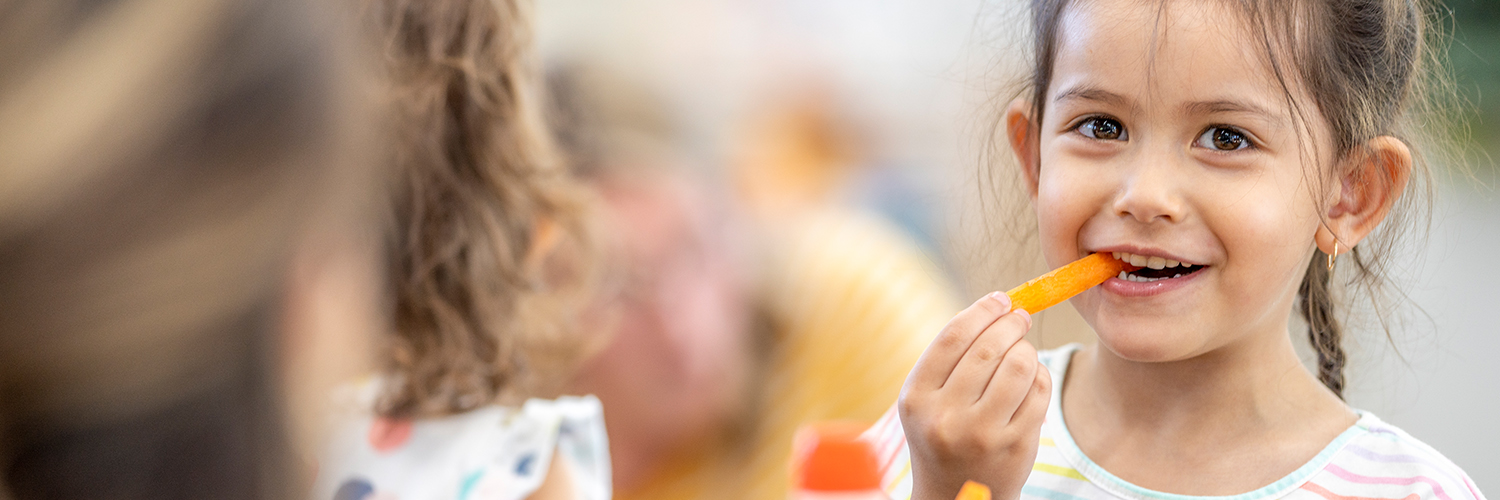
<point>973,406</point>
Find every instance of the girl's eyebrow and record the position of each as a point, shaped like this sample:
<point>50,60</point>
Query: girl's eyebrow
<point>1231,106</point>
<point>1087,93</point>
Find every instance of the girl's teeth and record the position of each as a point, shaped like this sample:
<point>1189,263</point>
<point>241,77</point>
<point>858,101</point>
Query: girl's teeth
<point>1149,262</point>
<point>1140,279</point>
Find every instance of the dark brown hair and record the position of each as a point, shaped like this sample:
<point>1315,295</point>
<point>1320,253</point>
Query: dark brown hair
<point>487,244</point>
<point>1372,69</point>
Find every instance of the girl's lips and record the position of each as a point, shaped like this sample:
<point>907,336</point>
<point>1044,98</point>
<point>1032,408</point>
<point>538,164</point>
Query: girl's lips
<point>1134,289</point>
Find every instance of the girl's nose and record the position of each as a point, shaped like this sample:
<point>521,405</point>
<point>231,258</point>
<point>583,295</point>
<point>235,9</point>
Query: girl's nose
<point>1151,192</point>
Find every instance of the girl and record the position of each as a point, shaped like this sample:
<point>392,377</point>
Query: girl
<point>486,270</point>
<point>1241,152</point>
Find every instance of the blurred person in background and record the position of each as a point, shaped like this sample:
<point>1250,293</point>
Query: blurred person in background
<point>489,267</point>
<point>733,329</point>
<point>179,205</point>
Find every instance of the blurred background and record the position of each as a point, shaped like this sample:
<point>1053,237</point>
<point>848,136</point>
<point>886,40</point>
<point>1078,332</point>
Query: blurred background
<point>885,110</point>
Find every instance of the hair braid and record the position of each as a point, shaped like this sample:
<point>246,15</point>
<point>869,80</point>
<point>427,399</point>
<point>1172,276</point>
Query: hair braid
<point>1323,329</point>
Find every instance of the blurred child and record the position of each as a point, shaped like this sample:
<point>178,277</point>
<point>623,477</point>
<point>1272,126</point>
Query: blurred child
<point>726,338</point>
<point>487,267</point>
<point>1242,153</point>
<point>163,168</point>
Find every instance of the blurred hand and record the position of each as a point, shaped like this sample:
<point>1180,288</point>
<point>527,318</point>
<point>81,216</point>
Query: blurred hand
<point>972,408</point>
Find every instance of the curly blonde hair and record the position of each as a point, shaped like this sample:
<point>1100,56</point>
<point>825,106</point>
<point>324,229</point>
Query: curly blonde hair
<point>488,255</point>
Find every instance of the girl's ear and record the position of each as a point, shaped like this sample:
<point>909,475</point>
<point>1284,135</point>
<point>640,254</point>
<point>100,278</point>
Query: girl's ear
<point>1365,193</point>
<point>1022,132</point>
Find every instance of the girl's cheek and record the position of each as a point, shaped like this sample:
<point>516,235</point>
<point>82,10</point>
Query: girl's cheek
<point>1067,196</point>
<point>1264,227</point>
<point>1051,213</point>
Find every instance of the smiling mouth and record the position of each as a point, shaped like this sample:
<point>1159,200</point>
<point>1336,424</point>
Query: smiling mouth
<point>1154,268</point>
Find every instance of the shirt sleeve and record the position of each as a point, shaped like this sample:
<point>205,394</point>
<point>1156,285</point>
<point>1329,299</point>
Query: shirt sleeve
<point>581,442</point>
<point>494,452</point>
<point>1386,462</point>
<point>889,440</point>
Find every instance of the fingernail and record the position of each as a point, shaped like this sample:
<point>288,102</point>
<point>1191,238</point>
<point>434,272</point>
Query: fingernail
<point>1024,315</point>
<point>1001,298</point>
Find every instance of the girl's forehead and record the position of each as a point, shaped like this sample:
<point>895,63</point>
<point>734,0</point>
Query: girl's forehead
<point>1140,53</point>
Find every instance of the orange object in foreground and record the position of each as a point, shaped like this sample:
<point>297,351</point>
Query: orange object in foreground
<point>974,491</point>
<point>831,457</point>
<point>1066,281</point>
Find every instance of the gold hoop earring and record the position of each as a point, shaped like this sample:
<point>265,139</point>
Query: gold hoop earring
<point>1333,255</point>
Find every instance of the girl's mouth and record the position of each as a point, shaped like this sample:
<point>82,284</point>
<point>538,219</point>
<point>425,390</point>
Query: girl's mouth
<point>1154,268</point>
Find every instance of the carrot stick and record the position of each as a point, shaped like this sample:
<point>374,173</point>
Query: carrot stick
<point>973,491</point>
<point>1066,281</point>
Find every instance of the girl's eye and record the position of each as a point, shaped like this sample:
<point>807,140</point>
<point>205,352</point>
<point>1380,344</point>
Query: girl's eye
<point>1223,139</point>
<point>1102,128</point>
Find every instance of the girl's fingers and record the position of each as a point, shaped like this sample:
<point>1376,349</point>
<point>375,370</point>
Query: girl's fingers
<point>1010,381</point>
<point>937,362</point>
<point>977,366</point>
<point>1033,410</point>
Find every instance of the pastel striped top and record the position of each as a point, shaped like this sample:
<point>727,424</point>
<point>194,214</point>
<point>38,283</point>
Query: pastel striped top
<point>1371,460</point>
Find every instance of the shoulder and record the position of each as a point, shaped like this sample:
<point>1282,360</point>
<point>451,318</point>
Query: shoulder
<point>1380,460</point>
<point>496,449</point>
<point>1056,360</point>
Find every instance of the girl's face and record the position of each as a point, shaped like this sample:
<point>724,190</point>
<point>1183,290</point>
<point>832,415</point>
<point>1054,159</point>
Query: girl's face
<point>1166,136</point>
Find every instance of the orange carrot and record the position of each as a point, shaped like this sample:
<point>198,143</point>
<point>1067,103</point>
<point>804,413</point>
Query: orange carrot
<point>1066,281</point>
<point>973,491</point>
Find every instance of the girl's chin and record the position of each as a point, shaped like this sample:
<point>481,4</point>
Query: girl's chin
<point>1154,327</point>
<point>1145,351</point>
<point>1147,340</point>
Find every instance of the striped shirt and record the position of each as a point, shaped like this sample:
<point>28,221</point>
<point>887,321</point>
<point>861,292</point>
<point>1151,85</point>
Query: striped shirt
<point>1371,460</point>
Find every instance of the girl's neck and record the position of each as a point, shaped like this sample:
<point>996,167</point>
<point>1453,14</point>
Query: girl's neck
<point>1248,399</point>
<point>1257,378</point>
